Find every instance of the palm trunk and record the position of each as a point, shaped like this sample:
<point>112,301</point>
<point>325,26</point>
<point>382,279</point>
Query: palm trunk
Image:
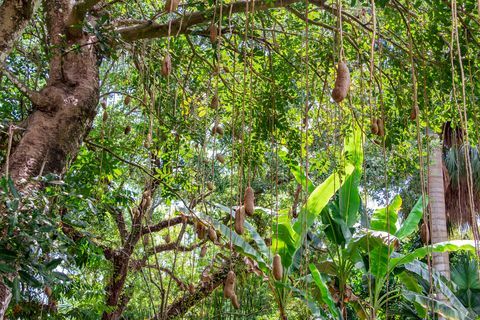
<point>438,217</point>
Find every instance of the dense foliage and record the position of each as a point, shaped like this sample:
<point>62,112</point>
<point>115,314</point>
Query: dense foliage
<point>142,221</point>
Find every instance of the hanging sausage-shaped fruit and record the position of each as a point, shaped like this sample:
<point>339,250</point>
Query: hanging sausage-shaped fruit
<point>342,82</point>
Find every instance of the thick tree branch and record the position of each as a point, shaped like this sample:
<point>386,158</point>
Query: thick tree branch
<point>181,25</point>
<point>120,221</point>
<point>15,15</point>
<point>166,224</point>
<point>77,15</point>
<point>35,97</point>
<point>183,304</point>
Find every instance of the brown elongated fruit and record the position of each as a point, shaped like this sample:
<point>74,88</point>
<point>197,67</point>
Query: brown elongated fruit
<point>210,185</point>
<point>381,128</point>
<point>105,116</point>
<point>212,234</point>
<point>220,158</point>
<point>166,65</point>
<point>213,33</point>
<point>249,201</point>
<point>235,302</point>
<point>277,267</point>
<point>171,5</point>
<point>229,285</point>
<point>127,100</point>
<point>201,230</point>
<point>414,113</point>
<point>217,129</point>
<point>342,82</point>
<point>214,102</point>
<point>268,242</point>
<point>48,291</point>
<point>425,233</point>
<point>239,220</point>
<point>127,130</point>
<point>374,126</point>
<point>203,251</point>
<point>104,104</point>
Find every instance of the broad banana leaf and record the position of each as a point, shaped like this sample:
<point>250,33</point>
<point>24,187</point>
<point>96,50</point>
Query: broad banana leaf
<point>440,283</point>
<point>285,243</point>
<point>447,246</point>
<point>259,241</point>
<point>349,196</point>
<point>410,225</point>
<point>325,296</point>
<point>318,199</point>
<point>439,307</point>
<point>385,219</point>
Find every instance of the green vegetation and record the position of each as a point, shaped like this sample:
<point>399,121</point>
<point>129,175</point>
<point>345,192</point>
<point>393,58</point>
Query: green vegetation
<point>132,133</point>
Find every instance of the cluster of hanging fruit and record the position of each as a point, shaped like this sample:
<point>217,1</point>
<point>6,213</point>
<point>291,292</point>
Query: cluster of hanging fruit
<point>247,209</point>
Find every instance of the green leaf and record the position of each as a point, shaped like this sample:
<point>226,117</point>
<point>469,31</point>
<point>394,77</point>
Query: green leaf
<point>5,268</point>
<point>438,307</point>
<point>335,229</point>
<point>285,243</point>
<point>447,246</point>
<point>241,245</point>
<point>16,289</point>
<point>259,241</point>
<point>439,282</point>
<point>60,275</point>
<point>379,262</point>
<point>7,255</point>
<point>318,199</point>
<point>409,281</point>
<point>384,219</point>
<point>410,224</point>
<point>349,196</point>
<point>301,178</point>
<point>53,264</point>
<point>325,296</point>
<point>30,280</point>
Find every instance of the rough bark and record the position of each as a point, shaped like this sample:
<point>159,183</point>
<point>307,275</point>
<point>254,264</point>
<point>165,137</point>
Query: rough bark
<point>54,131</point>
<point>14,17</point>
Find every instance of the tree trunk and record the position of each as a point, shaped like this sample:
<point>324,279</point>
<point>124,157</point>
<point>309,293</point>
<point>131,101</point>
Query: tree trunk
<point>438,217</point>
<point>63,111</point>
<point>14,17</point>
<point>114,289</point>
